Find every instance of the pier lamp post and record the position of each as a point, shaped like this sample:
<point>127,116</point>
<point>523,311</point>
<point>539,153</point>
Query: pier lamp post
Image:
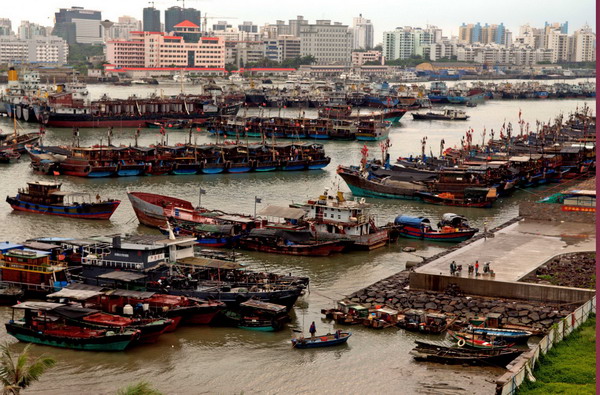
<point>256,200</point>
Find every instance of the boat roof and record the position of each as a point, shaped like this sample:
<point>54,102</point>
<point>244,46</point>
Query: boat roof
<point>236,218</point>
<point>67,193</point>
<point>33,305</point>
<point>210,263</point>
<point>257,304</point>
<point>45,183</point>
<point>130,294</point>
<point>72,311</point>
<point>6,246</point>
<point>412,221</point>
<point>26,253</point>
<point>582,192</point>
<point>37,245</point>
<point>75,294</point>
<point>122,276</point>
<point>387,310</point>
<point>283,212</point>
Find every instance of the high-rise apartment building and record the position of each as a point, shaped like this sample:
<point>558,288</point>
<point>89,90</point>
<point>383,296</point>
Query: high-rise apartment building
<point>175,15</point>
<point>151,20</point>
<point>405,42</point>
<point>28,30</point>
<point>584,45</point>
<point>362,31</point>
<point>5,27</point>
<point>50,50</point>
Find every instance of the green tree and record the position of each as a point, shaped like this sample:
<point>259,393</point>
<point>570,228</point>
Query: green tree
<point>141,388</point>
<point>20,371</point>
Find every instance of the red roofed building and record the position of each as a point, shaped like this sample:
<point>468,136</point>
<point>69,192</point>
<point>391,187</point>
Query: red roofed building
<point>156,50</point>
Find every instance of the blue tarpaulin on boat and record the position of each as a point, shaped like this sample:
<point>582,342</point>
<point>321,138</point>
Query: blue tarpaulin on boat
<point>411,221</point>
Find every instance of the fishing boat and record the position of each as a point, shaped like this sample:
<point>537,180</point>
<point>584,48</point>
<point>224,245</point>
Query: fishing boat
<point>9,156</point>
<point>368,185</point>
<point>279,241</point>
<point>372,129</point>
<point>346,313</point>
<point>150,329</point>
<point>449,114</point>
<point>150,207</point>
<point>259,316</point>
<point>508,335</point>
<point>478,198</point>
<point>420,228</point>
<point>46,198</point>
<point>40,326</point>
<point>179,309</point>
<point>417,320</point>
<point>31,270</point>
<point>334,216</point>
<point>477,341</point>
<point>318,341</point>
<point>459,356</point>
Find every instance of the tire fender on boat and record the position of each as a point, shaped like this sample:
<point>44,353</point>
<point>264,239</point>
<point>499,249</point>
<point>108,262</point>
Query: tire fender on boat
<point>461,342</point>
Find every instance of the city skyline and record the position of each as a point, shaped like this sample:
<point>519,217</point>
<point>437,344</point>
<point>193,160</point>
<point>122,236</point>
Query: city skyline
<point>447,16</point>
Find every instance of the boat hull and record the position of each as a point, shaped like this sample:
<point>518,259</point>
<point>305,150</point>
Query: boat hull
<point>117,342</point>
<point>86,211</point>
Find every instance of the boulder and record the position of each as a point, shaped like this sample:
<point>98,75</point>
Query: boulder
<point>448,309</point>
<point>534,316</point>
<point>431,306</point>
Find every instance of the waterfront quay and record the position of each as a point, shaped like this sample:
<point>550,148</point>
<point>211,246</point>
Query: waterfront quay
<point>514,249</point>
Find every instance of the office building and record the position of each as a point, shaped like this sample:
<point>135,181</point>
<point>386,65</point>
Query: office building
<point>78,25</point>
<point>157,50</point>
<point>328,43</point>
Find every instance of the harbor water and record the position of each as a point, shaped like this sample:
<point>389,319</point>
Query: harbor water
<point>196,360</point>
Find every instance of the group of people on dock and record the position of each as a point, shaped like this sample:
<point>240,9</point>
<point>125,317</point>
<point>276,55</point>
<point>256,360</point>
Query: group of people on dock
<point>456,270</point>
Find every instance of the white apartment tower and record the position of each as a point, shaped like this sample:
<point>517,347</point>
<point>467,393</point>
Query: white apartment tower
<point>405,42</point>
<point>362,30</point>
<point>584,45</point>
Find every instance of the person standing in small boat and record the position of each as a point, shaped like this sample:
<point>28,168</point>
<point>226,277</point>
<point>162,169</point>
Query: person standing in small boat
<point>312,330</point>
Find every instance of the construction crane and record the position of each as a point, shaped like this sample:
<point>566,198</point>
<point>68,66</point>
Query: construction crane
<point>214,17</point>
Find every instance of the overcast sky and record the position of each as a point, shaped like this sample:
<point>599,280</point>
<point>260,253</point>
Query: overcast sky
<point>385,14</point>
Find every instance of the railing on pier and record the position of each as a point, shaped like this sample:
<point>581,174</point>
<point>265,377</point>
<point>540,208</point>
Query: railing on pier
<point>509,383</point>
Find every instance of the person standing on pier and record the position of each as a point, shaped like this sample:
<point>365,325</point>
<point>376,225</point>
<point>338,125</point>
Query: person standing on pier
<point>312,330</point>
<point>485,230</point>
<point>476,268</point>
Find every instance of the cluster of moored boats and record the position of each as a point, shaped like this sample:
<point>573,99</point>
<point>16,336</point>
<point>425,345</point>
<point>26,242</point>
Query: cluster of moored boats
<point>109,293</point>
<point>476,175</point>
<point>480,340</point>
<point>183,159</point>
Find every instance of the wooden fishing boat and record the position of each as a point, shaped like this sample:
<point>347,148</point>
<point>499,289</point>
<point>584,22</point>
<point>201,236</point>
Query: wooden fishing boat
<point>150,328</point>
<point>9,156</point>
<point>318,341</point>
<point>421,321</point>
<point>443,115</point>
<point>346,313</point>
<point>477,341</point>
<point>448,199</point>
<point>459,356</point>
<point>279,241</point>
<point>40,327</point>
<point>46,198</point>
<point>420,228</point>
<point>259,316</point>
<point>508,335</point>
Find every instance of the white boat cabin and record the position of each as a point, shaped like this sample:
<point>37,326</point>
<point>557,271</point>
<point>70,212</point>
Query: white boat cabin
<point>335,214</point>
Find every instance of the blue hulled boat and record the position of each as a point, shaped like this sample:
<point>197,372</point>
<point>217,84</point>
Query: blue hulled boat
<point>327,340</point>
